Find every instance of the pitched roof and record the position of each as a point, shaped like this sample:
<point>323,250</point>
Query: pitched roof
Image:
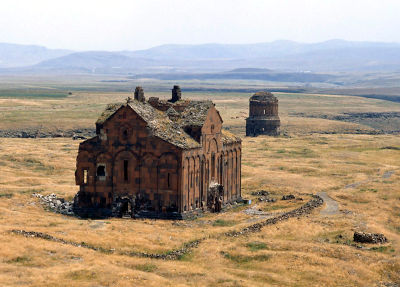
<point>227,137</point>
<point>169,125</point>
<point>195,113</point>
<point>159,123</point>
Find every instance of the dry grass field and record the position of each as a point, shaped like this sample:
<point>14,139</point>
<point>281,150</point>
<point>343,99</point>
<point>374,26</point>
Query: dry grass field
<point>361,173</point>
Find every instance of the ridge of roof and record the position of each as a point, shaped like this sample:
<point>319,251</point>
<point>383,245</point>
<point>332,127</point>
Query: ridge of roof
<point>163,124</point>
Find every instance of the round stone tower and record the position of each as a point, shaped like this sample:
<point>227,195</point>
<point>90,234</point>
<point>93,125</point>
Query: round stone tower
<point>263,117</point>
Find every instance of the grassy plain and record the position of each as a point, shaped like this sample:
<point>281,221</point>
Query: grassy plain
<point>360,172</point>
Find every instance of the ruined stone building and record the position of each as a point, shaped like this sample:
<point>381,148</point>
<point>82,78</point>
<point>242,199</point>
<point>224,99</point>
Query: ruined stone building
<point>263,115</point>
<point>157,158</point>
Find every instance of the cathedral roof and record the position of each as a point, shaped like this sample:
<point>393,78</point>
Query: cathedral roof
<point>169,125</point>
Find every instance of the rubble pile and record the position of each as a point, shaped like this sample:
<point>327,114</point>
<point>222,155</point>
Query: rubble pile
<point>364,237</point>
<point>55,203</point>
<point>288,197</point>
<point>264,196</point>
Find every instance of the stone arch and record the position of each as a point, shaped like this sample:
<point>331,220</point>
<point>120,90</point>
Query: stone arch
<point>197,179</point>
<point>203,185</point>
<point>229,174</point>
<point>235,174</point>
<point>192,165</point>
<point>187,184</point>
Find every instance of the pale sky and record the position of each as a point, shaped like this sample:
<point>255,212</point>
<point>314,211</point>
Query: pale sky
<point>140,24</point>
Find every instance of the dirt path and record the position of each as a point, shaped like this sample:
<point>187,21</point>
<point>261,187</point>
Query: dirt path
<point>331,207</point>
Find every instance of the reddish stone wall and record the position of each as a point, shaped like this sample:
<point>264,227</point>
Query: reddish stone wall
<point>161,176</point>
<point>263,109</point>
<point>214,162</point>
<point>135,164</point>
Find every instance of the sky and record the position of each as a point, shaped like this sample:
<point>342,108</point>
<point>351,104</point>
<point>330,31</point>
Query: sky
<point>139,24</point>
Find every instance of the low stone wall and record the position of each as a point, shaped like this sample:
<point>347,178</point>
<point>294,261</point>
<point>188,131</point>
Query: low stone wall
<point>187,247</point>
<point>303,210</point>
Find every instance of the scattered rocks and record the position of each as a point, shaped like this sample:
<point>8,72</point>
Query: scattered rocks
<point>55,203</point>
<point>364,237</point>
<point>263,196</point>
<point>288,197</point>
<point>260,193</point>
<point>267,199</point>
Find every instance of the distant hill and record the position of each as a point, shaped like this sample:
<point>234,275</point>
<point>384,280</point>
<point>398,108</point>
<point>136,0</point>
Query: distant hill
<point>14,55</point>
<point>94,62</point>
<point>282,56</point>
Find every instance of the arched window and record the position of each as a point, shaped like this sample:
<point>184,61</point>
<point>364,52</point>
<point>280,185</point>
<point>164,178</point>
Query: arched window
<point>101,172</point>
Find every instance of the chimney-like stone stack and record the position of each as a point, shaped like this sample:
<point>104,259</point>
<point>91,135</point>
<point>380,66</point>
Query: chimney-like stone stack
<point>176,94</point>
<point>139,94</point>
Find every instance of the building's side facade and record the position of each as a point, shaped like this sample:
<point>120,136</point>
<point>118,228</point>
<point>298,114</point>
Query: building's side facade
<point>126,163</point>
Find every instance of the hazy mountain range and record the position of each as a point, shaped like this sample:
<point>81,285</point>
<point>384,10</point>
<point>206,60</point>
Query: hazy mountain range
<point>281,56</point>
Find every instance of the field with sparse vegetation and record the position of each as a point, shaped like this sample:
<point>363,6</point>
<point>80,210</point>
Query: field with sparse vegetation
<point>359,170</point>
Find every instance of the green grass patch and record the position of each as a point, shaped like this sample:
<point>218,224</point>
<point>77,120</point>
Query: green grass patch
<point>82,275</point>
<point>222,222</point>
<point>20,259</point>
<point>187,257</point>
<point>256,245</point>
<point>382,249</point>
<point>304,152</point>
<point>148,267</point>
<point>6,195</point>
<point>240,259</point>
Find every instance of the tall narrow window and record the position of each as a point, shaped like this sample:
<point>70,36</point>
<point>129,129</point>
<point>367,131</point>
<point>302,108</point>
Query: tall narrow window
<point>168,180</point>
<point>264,112</point>
<point>85,176</point>
<point>126,170</point>
<point>213,166</point>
